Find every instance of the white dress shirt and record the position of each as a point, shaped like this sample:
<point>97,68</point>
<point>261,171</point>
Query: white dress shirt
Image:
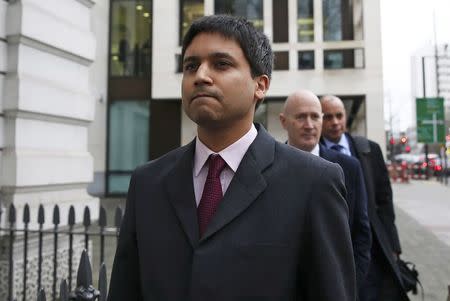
<point>232,155</point>
<point>315,151</point>
<point>342,142</point>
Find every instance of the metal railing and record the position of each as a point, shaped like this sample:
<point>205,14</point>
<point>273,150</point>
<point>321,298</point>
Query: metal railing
<point>85,291</point>
<point>85,229</point>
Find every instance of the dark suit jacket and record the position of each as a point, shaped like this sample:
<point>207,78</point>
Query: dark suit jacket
<point>280,233</point>
<point>357,203</point>
<point>380,204</point>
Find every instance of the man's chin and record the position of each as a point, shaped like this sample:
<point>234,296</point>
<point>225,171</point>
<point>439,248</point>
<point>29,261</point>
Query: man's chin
<point>334,138</point>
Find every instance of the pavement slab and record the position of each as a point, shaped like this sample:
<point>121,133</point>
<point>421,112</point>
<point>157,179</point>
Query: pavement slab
<point>423,222</point>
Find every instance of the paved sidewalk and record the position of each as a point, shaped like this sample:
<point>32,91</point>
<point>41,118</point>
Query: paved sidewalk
<point>423,221</point>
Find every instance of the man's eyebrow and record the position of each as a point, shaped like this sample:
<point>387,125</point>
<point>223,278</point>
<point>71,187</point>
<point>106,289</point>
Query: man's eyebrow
<point>191,59</point>
<point>221,55</point>
<point>216,55</point>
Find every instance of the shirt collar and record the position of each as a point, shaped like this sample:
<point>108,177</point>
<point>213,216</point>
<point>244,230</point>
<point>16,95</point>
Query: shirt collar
<point>315,150</point>
<point>232,154</point>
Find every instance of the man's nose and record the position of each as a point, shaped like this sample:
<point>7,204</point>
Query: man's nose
<point>308,123</point>
<point>203,76</point>
<point>335,120</point>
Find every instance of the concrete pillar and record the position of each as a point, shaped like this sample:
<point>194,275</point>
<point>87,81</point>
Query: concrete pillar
<point>46,106</point>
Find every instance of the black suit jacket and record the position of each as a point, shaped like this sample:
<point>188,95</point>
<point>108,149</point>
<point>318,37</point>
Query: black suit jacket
<point>380,203</point>
<point>280,233</point>
<point>357,203</point>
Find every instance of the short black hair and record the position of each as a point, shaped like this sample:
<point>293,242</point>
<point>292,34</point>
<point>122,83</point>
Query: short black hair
<point>254,43</point>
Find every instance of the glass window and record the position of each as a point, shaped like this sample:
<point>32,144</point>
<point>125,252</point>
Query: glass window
<point>343,58</point>
<point>190,10</point>
<point>280,21</point>
<point>130,38</point>
<point>128,141</point>
<point>306,60</point>
<point>281,61</point>
<point>249,9</point>
<point>178,63</point>
<point>305,20</point>
<point>342,20</point>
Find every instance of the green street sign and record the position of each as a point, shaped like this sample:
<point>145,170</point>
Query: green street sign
<point>430,120</point>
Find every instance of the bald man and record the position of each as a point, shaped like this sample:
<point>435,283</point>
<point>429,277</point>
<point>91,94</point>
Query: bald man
<point>302,119</point>
<point>383,282</point>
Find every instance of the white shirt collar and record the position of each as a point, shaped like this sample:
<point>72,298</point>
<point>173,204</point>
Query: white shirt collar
<point>315,151</point>
<point>232,154</point>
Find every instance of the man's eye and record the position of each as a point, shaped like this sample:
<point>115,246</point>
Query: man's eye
<point>315,117</point>
<point>189,67</point>
<point>222,64</point>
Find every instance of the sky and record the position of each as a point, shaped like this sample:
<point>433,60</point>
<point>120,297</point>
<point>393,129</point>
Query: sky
<point>407,26</point>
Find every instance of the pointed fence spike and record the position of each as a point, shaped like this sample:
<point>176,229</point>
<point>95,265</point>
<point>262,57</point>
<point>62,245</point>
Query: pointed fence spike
<point>118,217</point>
<point>63,291</point>
<point>84,276</point>
<point>41,215</point>
<point>26,214</point>
<point>56,215</point>
<point>12,214</point>
<point>87,217</point>
<point>102,217</point>
<point>103,283</point>
<point>71,216</point>
<point>41,295</point>
<point>84,290</point>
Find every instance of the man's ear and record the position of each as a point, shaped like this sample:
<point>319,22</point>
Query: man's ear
<point>283,120</point>
<point>262,83</point>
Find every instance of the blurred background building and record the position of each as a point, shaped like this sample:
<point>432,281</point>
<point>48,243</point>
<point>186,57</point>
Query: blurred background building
<point>330,47</point>
<point>90,89</point>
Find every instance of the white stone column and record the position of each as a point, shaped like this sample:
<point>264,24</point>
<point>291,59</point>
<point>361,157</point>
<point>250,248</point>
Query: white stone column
<point>3,5</point>
<point>47,106</point>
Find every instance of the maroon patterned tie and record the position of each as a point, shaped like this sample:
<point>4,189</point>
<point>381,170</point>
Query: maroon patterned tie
<point>212,192</point>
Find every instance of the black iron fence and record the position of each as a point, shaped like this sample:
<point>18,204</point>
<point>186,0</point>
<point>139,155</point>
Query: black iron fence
<point>84,288</point>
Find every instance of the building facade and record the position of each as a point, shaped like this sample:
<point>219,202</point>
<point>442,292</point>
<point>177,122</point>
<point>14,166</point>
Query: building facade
<point>88,95</point>
<point>329,47</point>
<point>47,104</point>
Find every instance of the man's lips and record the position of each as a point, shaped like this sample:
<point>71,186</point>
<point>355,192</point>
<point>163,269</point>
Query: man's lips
<point>200,95</point>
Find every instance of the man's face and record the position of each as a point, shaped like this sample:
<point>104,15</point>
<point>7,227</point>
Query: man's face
<point>302,119</point>
<point>217,87</point>
<point>334,120</point>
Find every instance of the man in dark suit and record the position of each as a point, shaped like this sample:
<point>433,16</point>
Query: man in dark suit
<point>383,282</point>
<point>233,215</point>
<point>302,119</point>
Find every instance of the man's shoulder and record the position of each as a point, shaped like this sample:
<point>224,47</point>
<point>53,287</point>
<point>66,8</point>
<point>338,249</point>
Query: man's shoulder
<point>162,164</point>
<point>365,145</point>
<point>341,159</point>
<point>306,165</point>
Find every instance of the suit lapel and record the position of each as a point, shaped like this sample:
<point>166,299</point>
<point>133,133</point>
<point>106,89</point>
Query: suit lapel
<point>247,184</point>
<point>179,186</point>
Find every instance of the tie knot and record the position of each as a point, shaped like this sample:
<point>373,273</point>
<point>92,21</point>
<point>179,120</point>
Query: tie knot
<point>216,164</point>
<point>337,147</point>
